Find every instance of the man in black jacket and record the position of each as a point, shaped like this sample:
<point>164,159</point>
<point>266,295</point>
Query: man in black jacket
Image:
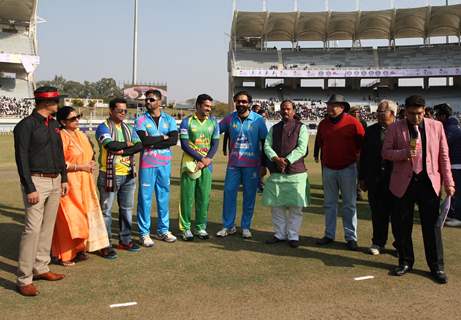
<point>43,175</point>
<point>374,175</point>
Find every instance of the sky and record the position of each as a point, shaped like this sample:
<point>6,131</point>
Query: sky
<point>183,43</point>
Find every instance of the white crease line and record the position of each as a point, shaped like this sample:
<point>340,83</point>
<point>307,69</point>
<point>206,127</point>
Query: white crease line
<point>120,305</point>
<point>364,278</point>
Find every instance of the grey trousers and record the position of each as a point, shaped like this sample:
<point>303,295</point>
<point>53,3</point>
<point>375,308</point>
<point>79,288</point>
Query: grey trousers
<point>35,245</point>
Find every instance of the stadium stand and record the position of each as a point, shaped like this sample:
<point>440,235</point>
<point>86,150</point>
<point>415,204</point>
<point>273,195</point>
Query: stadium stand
<point>319,58</point>
<point>252,59</point>
<point>14,107</point>
<point>16,42</point>
<point>273,74</point>
<point>420,56</point>
<point>18,56</point>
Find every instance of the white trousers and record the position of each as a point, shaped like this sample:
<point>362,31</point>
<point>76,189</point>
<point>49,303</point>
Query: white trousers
<point>287,222</point>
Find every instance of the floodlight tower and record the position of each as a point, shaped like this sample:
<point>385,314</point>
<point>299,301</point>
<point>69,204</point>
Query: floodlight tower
<point>134,78</point>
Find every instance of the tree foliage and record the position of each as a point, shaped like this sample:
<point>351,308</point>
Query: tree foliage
<point>105,89</point>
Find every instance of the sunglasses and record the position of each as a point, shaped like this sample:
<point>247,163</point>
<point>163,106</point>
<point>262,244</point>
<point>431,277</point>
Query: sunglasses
<point>124,111</point>
<point>151,99</point>
<point>76,118</point>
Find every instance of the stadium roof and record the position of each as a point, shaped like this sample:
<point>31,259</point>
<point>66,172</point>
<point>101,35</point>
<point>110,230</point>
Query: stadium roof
<point>420,22</point>
<point>17,10</point>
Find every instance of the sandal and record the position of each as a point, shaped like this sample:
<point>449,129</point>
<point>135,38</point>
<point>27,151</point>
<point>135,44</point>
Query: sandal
<point>67,263</point>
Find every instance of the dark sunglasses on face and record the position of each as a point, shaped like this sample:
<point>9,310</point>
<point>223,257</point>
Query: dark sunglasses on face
<point>151,99</point>
<point>124,111</point>
<point>77,117</point>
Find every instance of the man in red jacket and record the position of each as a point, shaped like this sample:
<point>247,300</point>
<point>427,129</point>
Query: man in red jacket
<point>340,136</point>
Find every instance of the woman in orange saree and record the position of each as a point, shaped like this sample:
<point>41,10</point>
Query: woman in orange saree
<point>79,223</point>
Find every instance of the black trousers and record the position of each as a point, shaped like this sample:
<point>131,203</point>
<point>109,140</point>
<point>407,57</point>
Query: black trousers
<point>419,192</point>
<point>381,204</point>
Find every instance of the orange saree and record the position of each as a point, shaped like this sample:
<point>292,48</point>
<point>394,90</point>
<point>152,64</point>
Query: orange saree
<point>79,223</point>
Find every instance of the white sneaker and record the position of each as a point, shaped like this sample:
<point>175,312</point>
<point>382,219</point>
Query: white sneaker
<point>187,236</point>
<point>167,237</point>
<point>453,223</point>
<point>146,241</point>
<point>224,232</point>
<point>374,250</point>
<point>202,234</point>
<point>246,234</point>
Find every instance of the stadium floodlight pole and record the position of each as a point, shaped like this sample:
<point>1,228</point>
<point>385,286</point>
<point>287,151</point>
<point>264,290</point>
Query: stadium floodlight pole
<point>134,78</point>
<point>447,39</point>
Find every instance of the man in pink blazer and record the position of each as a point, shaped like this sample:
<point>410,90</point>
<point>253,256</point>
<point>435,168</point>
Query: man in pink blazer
<point>419,152</point>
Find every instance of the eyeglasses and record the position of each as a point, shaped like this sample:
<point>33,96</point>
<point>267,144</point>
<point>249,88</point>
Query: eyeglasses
<point>121,111</point>
<point>76,118</point>
<point>151,99</point>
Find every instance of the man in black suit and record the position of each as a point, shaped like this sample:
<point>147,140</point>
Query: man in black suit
<point>374,175</point>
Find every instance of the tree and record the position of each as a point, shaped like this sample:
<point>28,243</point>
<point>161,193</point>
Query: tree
<point>73,89</point>
<point>107,88</point>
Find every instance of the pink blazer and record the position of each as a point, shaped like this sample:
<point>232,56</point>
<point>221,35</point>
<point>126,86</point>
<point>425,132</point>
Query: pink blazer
<point>396,148</point>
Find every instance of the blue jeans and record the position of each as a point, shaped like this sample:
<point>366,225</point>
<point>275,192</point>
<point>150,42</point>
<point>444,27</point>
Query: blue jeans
<point>334,181</point>
<point>154,180</point>
<point>235,176</point>
<point>124,191</point>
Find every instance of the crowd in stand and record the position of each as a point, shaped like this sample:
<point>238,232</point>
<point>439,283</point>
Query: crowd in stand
<point>315,110</point>
<point>310,110</point>
<point>14,107</point>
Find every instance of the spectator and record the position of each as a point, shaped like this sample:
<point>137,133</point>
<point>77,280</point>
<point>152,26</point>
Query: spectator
<point>11,107</point>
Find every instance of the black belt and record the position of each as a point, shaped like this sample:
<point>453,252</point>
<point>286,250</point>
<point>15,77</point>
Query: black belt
<point>45,175</point>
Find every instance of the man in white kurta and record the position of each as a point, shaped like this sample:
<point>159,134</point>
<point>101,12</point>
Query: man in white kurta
<point>287,188</point>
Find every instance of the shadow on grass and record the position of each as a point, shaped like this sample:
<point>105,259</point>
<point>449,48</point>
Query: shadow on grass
<point>307,244</point>
<point>308,249</point>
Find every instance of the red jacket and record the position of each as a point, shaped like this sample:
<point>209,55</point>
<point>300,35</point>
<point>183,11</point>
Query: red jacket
<point>340,142</point>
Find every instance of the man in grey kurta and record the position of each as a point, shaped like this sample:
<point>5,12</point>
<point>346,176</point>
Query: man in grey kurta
<point>287,189</point>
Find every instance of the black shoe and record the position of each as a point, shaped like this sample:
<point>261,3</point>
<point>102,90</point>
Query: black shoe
<point>108,253</point>
<point>274,240</point>
<point>352,245</point>
<point>324,241</point>
<point>439,276</point>
<point>293,243</point>
<point>401,270</point>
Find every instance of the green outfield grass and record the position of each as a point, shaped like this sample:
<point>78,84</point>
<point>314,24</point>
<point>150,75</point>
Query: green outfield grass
<point>229,278</point>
